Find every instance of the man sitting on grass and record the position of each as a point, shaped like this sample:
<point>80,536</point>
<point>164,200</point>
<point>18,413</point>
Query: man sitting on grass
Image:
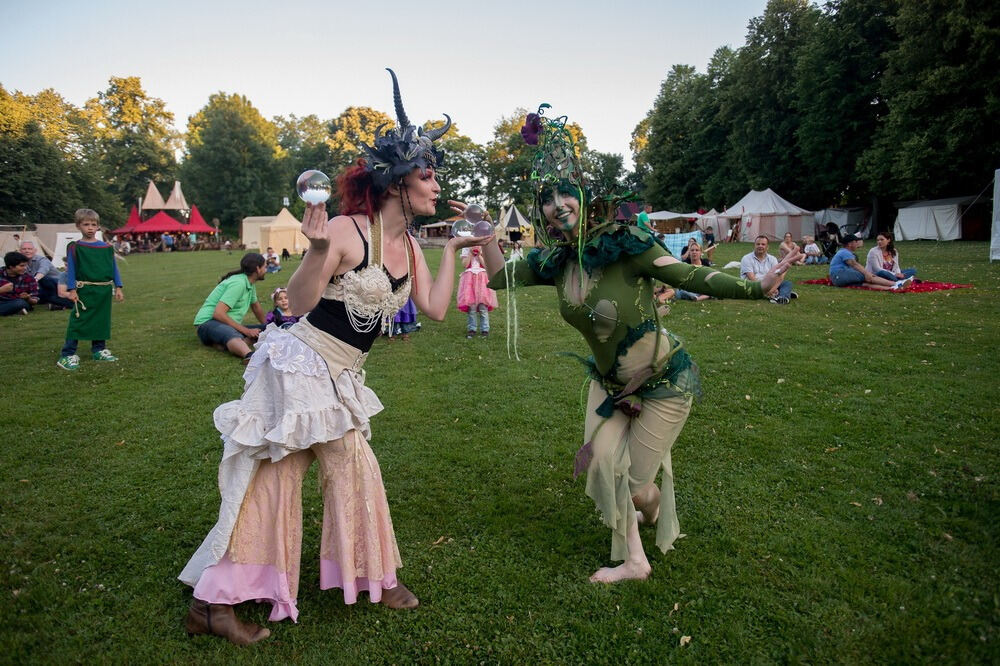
<point>756,265</point>
<point>46,275</point>
<point>18,289</point>
<point>220,319</point>
<point>845,270</point>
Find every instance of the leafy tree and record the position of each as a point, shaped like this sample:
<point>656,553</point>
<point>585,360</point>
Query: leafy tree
<point>133,139</point>
<point>940,135</point>
<point>34,183</point>
<point>234,164</point>
<point>668,145</point>
<point>605,172</point>
<point>354,125</point>
<point>760,106</point>
<point>838,102</point>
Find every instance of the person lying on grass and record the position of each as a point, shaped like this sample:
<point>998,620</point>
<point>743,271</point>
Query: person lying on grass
<point>642,380</point>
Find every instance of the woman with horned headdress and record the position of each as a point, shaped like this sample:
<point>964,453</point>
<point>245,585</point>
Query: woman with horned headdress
<point>305,399</point>
<point>642,380</point>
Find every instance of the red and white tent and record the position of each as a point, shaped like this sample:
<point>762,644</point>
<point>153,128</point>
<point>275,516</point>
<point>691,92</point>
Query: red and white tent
<point>764,213</point>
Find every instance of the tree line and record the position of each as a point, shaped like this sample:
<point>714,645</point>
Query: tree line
<point>850,102</point>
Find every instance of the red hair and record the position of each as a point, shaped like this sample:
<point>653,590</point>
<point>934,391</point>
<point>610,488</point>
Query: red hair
<point>357,191</point>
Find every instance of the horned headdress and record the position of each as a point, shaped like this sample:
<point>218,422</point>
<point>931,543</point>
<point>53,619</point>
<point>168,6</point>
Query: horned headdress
<point>404,148</point>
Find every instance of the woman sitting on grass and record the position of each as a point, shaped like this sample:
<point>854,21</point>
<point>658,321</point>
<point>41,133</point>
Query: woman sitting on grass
<point>883,260</point>
<point>845,271</point>
<point>305,399</point>
<point>642,379</point>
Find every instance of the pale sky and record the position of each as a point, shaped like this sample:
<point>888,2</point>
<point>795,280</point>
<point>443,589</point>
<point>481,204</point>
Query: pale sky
<point>600,63</point>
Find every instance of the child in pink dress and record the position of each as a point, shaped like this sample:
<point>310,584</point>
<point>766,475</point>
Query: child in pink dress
<point>474,297</point>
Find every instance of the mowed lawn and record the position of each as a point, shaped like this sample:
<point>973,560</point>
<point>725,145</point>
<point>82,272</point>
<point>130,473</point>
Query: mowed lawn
<point>837,485</point>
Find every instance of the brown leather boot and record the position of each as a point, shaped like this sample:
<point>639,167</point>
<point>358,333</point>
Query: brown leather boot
<point>220,620</point>
<point>399,598</point>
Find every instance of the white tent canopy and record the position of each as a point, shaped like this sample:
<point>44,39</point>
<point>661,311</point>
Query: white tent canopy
<point>764,213</point>
<point>848,220</point>
<point>720,226</point>
<point>153,199</point>
<point>940,219</point>
<point>176,199</point>
<point>670,215</point>
<point>284,232</point>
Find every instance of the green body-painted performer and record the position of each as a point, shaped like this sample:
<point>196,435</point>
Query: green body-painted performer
<point>642,379</point>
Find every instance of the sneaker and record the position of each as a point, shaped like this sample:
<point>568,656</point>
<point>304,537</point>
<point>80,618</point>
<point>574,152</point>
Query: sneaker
<point>105,355</point>
<point>485,334</point>
<point>69,362</point>
<point>781,300</point>
<point>470,335</point>
<point>774,300</point>
<point>903,285</point>
<point>794,295</point>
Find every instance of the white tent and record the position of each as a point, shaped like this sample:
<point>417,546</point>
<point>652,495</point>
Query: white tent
<point>764,213</point>
<point>719,226</point>
<point>284,232</point>
<point>940,219</point>
<point>176,199</point>
<point>250,230</point>
<point>995,240</point>
<point>153,199</point>
<point>848,220</point>
<point>511,219</point>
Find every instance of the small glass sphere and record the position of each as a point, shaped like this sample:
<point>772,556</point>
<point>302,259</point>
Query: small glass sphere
<point>474,213</point>
<point>482,228</point>
<point>313,187</point>
<point>461,227</point>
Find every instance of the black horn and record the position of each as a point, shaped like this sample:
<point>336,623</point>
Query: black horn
<point>400,113</point>
<point>435,134</point>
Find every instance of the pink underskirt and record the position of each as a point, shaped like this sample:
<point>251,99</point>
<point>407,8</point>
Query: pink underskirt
<point>230,583</point>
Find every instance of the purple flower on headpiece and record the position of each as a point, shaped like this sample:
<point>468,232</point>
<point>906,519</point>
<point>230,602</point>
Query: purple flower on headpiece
<point>531,129</point>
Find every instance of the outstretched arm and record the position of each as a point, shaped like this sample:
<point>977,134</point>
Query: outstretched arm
<point>657,264</point>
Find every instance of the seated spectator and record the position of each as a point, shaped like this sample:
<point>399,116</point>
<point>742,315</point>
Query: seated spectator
<point>687,249</point>
<point>273,261</point>
<point>787,246</point>
<point>755,265</point>
<point>18,289</point>
<point>46,275</point>
<point>814,255</point>
<point>694,256</point>
<point>281,316</point>
<point>220,318</point>
<point>883,260</point>
<point>845,270</point>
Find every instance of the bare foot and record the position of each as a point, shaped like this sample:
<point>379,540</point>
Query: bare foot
<point>627,570</point>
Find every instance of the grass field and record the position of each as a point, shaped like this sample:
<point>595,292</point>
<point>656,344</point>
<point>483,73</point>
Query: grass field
<point>838,486</point>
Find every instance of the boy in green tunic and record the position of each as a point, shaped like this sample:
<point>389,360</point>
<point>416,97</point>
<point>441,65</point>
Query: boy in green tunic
<point>91,280</point>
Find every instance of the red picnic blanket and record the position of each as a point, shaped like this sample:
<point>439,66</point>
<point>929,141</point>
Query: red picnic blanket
<point>916,287</point>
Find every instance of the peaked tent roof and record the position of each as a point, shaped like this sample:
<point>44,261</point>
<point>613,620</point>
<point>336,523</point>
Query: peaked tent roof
<point>153,199</point>
<point>176,199</point>
<point>197,224</point>
<point>513,219</point>
<point>284,220</point>
<point>158,224</point>
<point>133,221</point>
<point>766,202</point>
